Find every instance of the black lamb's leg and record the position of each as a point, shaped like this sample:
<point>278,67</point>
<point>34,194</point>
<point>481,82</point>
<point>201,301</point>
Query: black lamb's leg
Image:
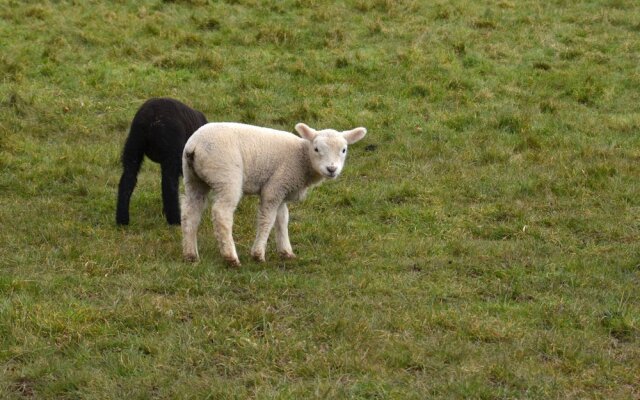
<point>132,158</point>
<point>170,183</point>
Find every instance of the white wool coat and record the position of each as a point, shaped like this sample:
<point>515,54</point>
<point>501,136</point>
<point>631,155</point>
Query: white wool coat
<point>264,158</point>
<point>234,159</point>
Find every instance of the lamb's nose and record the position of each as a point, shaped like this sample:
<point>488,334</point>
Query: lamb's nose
<point>331,169</point>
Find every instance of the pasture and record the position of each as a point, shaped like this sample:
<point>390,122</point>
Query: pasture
<point>482,242</point>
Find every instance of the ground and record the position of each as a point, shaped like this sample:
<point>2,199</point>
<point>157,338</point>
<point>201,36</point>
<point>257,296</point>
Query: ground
<point>482,242</point>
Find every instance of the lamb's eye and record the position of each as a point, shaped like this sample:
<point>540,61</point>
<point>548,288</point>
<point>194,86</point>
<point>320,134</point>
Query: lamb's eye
<point>344,151</point>
<point>316,149</point>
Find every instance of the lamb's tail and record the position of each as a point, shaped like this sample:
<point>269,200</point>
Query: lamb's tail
<point>189,165</point>
<point>190,156</point>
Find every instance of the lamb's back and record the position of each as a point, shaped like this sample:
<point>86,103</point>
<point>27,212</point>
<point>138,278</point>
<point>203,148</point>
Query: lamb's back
<point>259,152</point>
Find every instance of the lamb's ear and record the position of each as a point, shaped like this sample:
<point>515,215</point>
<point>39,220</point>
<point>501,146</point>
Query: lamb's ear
<point>354,135</point>
<point>306,132</point>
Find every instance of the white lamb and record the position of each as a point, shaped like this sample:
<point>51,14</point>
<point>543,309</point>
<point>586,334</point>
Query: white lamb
<point>235,159</point>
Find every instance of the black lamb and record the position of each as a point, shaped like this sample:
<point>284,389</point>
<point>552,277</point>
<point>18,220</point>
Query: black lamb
<point>160,130</point>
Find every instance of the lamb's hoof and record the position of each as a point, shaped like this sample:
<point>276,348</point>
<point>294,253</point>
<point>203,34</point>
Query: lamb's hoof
<point>287,256</point>
<point>192,258</point>
<point>258,257</point>
<point>122,221</point>
<point>232,262</point>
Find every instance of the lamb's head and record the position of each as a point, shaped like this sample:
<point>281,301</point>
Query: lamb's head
<point>328,148</point>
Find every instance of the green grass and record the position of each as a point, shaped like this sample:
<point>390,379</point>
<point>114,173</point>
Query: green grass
<point>483,241</point>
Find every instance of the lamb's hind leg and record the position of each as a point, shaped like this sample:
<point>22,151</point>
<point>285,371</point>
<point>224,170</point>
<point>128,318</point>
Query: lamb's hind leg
<point>282,232</point>
<point>132,158</point>
<point>225,203</point>
<point>194,202</point>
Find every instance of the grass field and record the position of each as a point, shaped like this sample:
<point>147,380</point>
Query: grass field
<point>483,241</point>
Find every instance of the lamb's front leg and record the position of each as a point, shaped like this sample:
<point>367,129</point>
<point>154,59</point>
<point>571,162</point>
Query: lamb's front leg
<point>282,232</point>
<point>170,185</point>
<point>266,218</point>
